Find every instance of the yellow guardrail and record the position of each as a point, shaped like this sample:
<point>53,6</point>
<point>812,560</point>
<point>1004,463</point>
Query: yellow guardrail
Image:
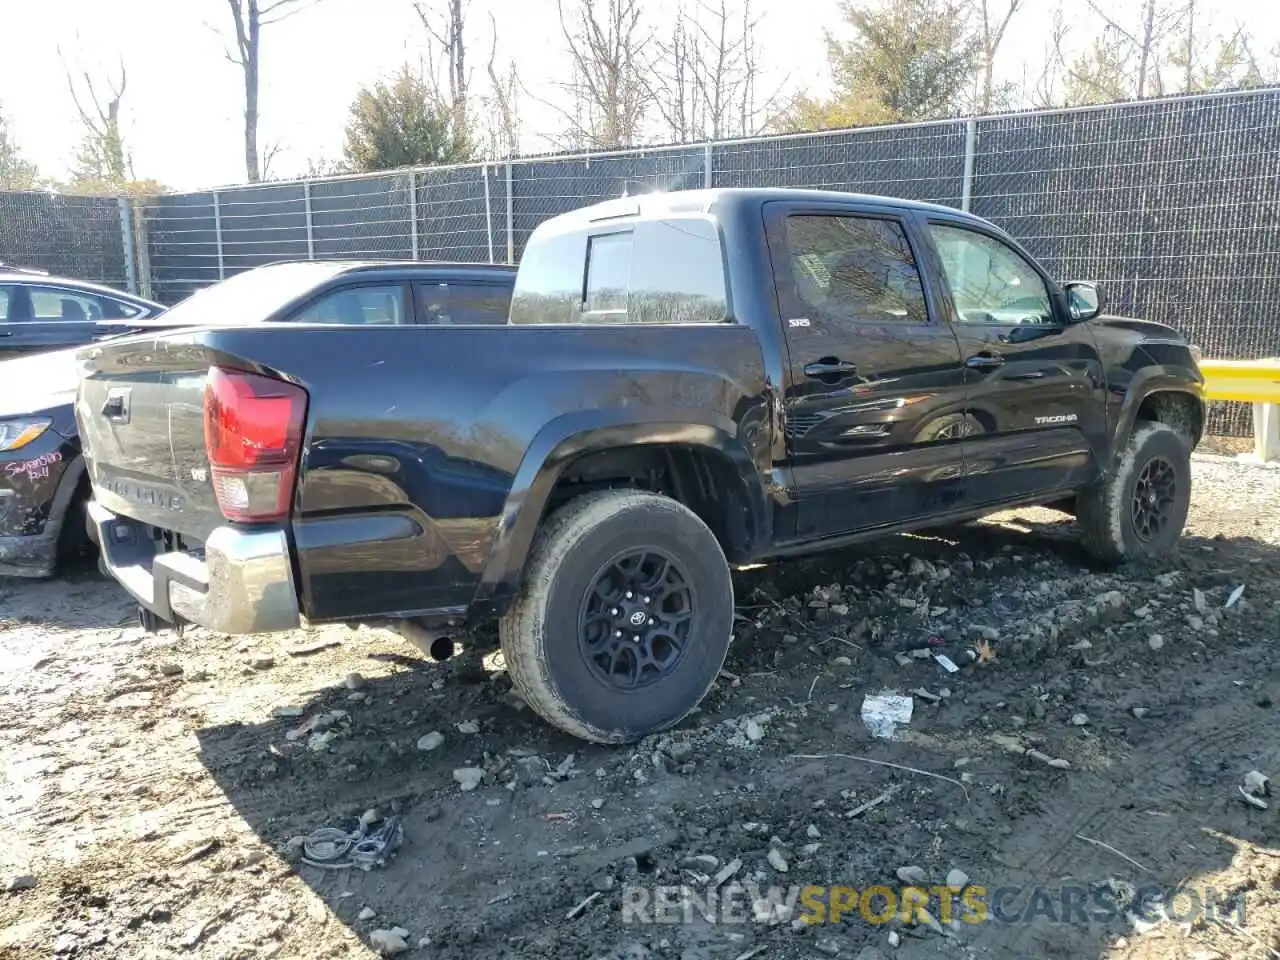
<point>1250,381</point>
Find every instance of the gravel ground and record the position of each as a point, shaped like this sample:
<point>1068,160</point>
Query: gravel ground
<point>152,786</point>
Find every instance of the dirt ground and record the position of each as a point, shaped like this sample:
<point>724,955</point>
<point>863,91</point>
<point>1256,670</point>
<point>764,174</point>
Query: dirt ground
<point>151,786</point>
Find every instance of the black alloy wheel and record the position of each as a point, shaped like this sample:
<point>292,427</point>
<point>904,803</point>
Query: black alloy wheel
<point>1154,496</point>
<point>636,618</point>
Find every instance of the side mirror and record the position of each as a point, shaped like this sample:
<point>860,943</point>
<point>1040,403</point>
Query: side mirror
<point>1084,300</point>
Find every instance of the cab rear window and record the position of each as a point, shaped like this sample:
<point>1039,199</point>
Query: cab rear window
<point>652,271</point>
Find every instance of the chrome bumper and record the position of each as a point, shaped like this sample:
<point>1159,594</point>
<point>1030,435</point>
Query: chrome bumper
<point>243,583</point>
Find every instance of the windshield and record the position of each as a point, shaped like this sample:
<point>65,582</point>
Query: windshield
<point>247,297</point>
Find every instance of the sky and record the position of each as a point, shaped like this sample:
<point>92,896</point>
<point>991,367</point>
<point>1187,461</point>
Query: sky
<point>182,110</point>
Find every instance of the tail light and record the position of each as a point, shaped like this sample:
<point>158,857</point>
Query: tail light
<point>253,436</point>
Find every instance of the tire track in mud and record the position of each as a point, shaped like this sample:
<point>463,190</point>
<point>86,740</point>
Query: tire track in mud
<point>1063,817</point>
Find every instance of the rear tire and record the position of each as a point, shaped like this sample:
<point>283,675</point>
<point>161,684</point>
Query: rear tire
<point>1141,509</point>
<point>584,648</point>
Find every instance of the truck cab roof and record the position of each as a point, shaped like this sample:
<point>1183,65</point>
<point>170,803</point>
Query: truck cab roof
<point>719,200</point>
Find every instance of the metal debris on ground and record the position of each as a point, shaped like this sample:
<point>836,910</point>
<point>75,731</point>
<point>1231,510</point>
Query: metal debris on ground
<point>333,848</point>
<point>863,808</point>
<point>1256,786</point>
<point>946,663</point>
<point>1257,783</point>
<point>583,905</point>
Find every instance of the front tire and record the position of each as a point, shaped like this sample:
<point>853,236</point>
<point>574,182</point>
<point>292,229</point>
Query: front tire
<point>1141,509</point>
<point>624,619</point>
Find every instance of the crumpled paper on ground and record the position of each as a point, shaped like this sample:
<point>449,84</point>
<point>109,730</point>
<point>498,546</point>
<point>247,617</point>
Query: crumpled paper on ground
<point>883,713</point>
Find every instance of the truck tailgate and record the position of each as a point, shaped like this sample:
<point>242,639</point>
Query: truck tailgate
<point>140,414</point>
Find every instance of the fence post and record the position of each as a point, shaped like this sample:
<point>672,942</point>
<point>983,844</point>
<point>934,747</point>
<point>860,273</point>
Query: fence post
<point>970,143</point>
<point>217,230</point>
<point>413,213</point>
<point>126,243</point>
<point>706,165</point>
<point>488,210</point>
<point>511,219</point>
<point>142,249</point>
<point>306,205</point>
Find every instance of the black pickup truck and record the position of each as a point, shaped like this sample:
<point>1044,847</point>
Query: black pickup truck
<point>686,382</point>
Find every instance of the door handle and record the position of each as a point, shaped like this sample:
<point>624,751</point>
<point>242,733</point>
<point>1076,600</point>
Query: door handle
<point>830,367</point>
<point>984,361</point>
<point>6,333</point>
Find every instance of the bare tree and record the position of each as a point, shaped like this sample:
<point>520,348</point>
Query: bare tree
<point>450,37</point>
<point>1260,69</point>
<point>675,83</point>
<point>16,173</point>
<point>705,76</point>
<point>1208,59</point>
<point>608,44</point>
<point>1189,47</point>
<point>103,158</point>
<point>249,18</point>
<point>502,105</point>
<point>728,87</point>
<point>994,25</point>
<point>1144,42</point>
<point>1043,90</point>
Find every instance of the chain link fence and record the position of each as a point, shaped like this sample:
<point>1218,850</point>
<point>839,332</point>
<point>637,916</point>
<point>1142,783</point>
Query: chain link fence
<point>1173,205</point>
<point>82,237</point>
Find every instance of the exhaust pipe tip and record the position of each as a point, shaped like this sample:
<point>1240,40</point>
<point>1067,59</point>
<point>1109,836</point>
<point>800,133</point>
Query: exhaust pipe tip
<point>435,643</point>
<point>441,649</point>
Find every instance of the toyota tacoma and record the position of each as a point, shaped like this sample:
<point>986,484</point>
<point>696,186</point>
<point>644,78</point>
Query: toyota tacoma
<point>686,382</point>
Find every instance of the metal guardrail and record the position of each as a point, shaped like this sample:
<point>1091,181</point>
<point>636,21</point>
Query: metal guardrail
<point>1250,381</point>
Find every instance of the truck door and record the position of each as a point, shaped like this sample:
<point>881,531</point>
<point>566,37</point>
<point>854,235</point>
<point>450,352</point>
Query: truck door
<point>1036,388</point>
<point>874,403</point>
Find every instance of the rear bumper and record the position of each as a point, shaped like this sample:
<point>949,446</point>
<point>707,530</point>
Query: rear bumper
<point>242,582</point>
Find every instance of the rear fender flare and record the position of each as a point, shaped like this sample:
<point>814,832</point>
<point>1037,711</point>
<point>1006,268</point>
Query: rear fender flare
<point>572,435</point>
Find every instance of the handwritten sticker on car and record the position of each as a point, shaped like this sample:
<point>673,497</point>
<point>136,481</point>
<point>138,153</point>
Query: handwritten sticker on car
<point>34,469</point>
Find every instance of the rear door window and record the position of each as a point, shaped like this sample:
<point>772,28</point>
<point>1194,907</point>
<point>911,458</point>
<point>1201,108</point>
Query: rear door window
<point>54,304</point>
<point>376,305</point>
<point>462,303</point>
<point>854,269</point>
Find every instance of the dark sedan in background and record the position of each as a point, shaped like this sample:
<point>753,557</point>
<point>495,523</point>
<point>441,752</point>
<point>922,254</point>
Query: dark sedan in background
<point>40,313</point>
<point>43,486</point>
